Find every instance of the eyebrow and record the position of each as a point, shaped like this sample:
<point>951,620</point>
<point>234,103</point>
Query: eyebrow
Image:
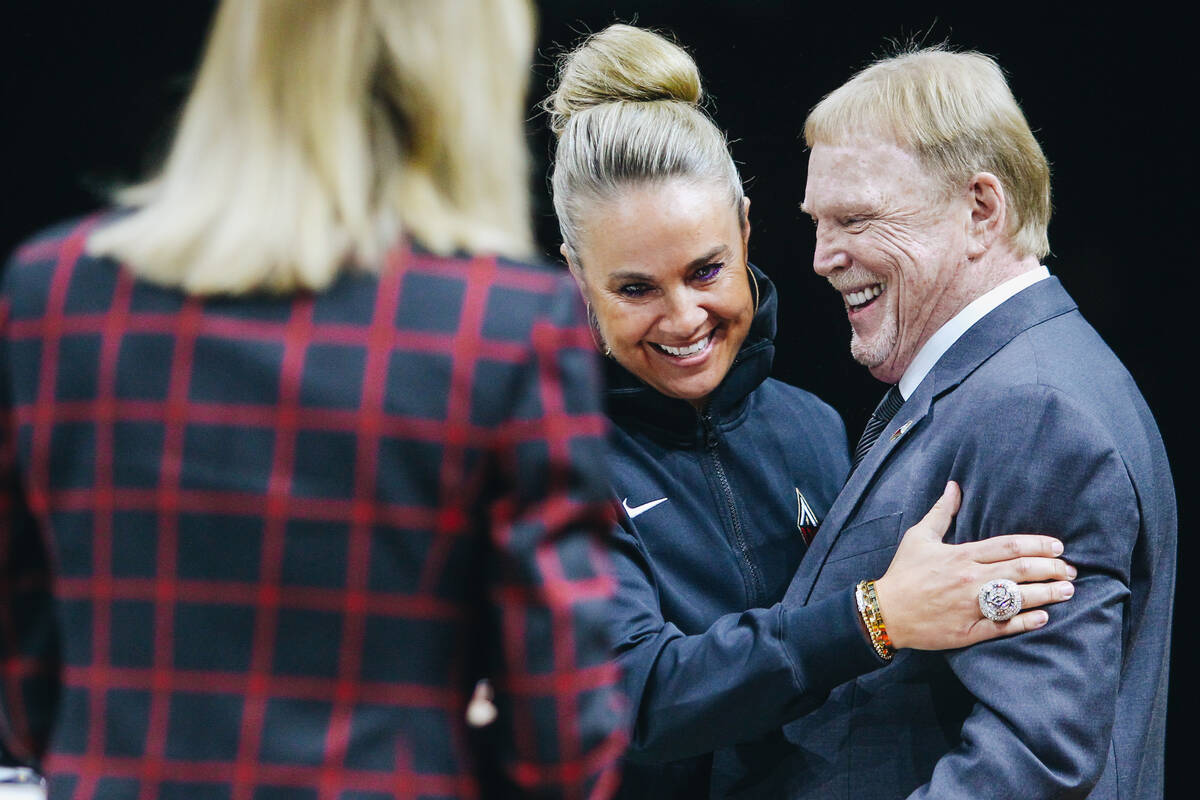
<point>629,275</point>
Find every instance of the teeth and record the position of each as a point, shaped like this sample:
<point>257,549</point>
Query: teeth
<point>686,351</point>
<point>869,293</point>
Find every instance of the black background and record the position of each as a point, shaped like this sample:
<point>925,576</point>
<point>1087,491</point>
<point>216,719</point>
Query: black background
<point>91,91</point>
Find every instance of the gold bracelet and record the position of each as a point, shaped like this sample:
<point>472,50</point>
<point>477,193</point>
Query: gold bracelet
<point>872,617</point>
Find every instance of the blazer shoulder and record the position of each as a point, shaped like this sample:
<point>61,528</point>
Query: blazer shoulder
<point>500,299</point>
<point>526,297</point>
<point>532,275</point>
<point>29,268</point>
<point>532,267</point>
<point>1029,407</point>
<point>45,246</point>
<point>1067,355</point>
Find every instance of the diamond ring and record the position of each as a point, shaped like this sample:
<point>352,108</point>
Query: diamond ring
<point>1000,600</point>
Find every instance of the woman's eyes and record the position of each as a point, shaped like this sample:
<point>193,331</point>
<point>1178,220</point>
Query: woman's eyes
<point>702,275</point>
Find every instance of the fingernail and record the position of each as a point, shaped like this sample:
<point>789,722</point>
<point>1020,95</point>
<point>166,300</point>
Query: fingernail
<point>1068,591</point>
<point>1056,547</point>
<point>1071,572</point>
<point>1040,618</point>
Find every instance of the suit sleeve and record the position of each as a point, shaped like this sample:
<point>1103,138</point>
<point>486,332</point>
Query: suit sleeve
<point>561,724</point>
<point>28,655</point>
<point>744,677</point>
<point>1045,701</point>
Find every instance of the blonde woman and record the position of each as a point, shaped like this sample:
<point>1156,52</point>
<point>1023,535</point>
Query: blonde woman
<point>724,473</point>
<point>293,451</point>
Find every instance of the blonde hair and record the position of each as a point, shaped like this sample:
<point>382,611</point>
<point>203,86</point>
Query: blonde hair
<point>957,115</point>
<point>625,111</point>
<point>317,132</point>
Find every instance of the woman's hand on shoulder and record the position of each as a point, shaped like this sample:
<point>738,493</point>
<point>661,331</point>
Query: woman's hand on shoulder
<point>929,596</point>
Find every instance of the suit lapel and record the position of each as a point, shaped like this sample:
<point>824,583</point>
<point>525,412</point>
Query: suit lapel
<point>1038,303</point>
<point>907,419</point>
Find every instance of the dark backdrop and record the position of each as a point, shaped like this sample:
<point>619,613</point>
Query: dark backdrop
<point>91,89</point>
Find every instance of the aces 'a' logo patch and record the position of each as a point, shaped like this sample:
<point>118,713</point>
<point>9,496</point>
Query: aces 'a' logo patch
<point>806,520</point>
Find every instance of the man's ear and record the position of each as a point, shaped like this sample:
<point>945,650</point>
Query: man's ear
<point>989,212</point>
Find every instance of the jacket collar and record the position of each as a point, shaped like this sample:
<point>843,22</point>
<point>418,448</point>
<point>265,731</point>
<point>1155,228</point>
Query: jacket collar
<point>1041,302</point>
<point>635,404</point>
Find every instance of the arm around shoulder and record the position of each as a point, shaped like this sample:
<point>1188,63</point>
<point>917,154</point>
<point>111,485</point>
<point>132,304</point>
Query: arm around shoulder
<point>747,674</point>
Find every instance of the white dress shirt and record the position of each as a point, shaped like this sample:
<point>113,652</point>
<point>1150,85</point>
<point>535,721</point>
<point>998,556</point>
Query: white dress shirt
<point>957,325</point>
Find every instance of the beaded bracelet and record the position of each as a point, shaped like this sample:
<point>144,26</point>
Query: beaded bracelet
<point>872,617</point>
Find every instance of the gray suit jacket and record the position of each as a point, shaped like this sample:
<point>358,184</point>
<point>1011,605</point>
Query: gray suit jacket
<point>1045,431</point>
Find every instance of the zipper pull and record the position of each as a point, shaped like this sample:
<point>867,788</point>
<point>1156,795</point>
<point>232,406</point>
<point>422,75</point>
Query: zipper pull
<point>710,432</point>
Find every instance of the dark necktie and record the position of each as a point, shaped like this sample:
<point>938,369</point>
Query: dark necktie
<point>880,417</point>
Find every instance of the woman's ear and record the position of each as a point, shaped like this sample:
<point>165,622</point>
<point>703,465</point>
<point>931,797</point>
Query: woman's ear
<point>576,270</point>
<point>745,223</point>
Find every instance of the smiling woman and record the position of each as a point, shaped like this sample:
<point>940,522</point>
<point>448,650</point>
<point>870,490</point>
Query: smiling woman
<point>652,212</point>
<point>723,473</point>
<point>666,275</point>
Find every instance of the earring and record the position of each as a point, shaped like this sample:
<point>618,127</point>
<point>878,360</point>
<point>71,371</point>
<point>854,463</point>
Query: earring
<point>594,329</point>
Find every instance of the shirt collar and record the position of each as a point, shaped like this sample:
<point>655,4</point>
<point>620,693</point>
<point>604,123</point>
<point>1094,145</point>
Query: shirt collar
<point>957,325</point>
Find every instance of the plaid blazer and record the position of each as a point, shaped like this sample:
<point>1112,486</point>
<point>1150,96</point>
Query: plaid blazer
<point>263,547</point>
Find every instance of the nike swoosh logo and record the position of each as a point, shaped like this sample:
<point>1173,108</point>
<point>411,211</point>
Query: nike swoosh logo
<point>642,509</point>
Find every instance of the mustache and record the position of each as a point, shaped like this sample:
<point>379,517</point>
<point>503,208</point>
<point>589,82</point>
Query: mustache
<point>855,279</point>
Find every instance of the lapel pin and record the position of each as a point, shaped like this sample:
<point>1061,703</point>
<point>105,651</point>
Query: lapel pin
<point>903,429</point>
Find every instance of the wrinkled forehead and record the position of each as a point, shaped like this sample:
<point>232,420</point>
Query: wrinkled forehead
<point>863,171</point>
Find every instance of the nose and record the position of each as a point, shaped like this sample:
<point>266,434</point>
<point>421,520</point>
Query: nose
<point>683,315</point>
<point>829,255</point>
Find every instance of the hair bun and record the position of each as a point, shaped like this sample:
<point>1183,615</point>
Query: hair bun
<point>619,63</point>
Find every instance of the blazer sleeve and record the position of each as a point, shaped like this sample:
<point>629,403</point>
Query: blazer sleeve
<point>744,677</point>
<point>561,723</point>
<point>1044,701</point>
<point>28,656</point>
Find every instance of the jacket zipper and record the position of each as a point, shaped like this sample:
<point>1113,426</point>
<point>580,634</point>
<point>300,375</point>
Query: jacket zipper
<point>711,441</point>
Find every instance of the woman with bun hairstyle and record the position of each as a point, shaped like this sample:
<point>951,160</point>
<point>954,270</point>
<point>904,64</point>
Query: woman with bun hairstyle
<point>297,445</point>
<point>723,472</point>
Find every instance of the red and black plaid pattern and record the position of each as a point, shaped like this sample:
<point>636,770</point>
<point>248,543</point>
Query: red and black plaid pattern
<point>263,547</point>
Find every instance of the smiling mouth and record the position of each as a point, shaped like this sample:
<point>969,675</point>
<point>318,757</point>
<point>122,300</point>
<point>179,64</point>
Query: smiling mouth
<point>856,301</point>
<point>684,352</point>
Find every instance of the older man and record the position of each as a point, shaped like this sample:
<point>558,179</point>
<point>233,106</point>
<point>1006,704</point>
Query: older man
<point>931,200</point>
